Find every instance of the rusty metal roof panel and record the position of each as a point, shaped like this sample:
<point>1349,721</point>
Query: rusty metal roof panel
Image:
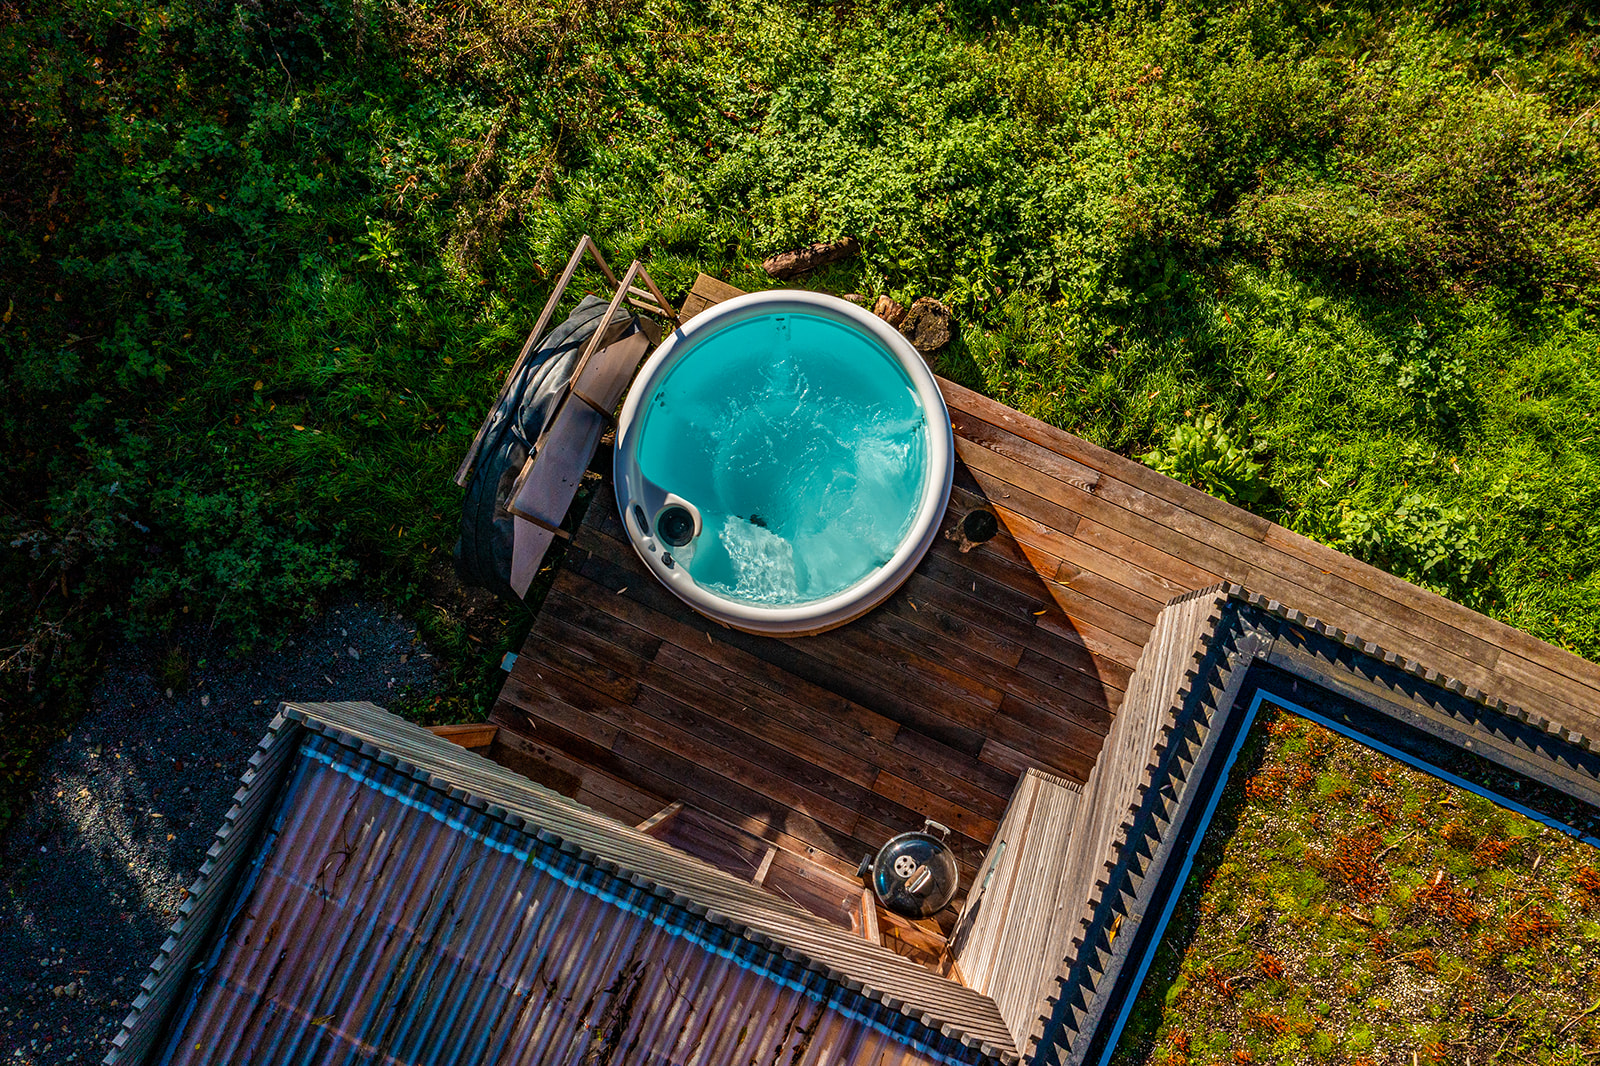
<point>384,919</point>
<point>743,909</point>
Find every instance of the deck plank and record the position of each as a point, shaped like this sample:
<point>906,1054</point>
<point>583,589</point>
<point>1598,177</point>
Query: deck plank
<point>1545,674</point>
<point>1013,655</point>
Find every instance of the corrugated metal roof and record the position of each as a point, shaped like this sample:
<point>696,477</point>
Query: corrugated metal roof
<point>386,918</point>
<point>744,909</point>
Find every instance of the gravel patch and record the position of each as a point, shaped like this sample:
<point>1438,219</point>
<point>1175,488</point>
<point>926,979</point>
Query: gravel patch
<point>93,870</point>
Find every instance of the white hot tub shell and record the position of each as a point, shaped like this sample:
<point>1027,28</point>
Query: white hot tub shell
<point>645,505</point>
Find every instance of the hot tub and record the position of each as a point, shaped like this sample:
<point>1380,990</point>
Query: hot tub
<point>783,461</point>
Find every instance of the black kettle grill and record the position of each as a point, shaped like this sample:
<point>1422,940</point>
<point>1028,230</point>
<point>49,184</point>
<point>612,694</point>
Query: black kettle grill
<point>914,874</point>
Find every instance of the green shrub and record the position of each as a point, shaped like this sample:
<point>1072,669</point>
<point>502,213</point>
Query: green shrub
<point>1136,210</point>
<point>1205,455</point>
<point>234,566</point>
<point>1423,542</point>
<point>1330,227</point>
<point>1434,378</point>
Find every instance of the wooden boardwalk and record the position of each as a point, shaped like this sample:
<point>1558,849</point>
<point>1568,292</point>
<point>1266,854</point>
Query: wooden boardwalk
<point>1013,655</point>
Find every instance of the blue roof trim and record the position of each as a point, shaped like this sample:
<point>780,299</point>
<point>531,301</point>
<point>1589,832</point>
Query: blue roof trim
<point>572,871</point>
<point>670,917</point>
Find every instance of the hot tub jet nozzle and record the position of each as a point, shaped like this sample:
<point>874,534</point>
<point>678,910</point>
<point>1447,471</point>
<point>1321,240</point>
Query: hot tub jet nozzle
<point>678,521</point>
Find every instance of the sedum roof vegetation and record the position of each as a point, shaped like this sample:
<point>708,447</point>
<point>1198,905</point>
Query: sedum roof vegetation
<point>1348,908</point>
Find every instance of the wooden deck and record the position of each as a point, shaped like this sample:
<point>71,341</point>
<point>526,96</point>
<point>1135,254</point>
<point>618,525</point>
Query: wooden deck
<point>1013,655</point>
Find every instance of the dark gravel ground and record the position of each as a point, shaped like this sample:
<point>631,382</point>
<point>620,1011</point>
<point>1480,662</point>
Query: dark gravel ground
<point>93,870</point>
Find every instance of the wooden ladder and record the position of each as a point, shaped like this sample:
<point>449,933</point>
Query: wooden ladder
<point>549,479</point>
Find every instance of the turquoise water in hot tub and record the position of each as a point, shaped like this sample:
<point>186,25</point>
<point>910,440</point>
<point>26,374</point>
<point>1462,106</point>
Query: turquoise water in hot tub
<point>803,444</point>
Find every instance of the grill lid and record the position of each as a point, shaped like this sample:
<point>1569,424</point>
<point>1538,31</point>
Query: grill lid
<point>914,874</point>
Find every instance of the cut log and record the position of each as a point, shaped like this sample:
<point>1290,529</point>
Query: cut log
<point>789,264</point>
<point>927,325</point>
<point>889,311</point>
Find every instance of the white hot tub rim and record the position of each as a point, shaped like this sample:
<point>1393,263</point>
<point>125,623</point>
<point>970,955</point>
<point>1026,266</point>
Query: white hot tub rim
<point>834,610</point>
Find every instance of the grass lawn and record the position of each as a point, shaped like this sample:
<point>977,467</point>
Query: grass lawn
<point>264,262</point>
<point>1348,908</point>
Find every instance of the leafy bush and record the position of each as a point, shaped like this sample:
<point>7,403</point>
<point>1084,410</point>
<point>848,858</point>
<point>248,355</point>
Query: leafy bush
<point>1437,547</point>
<point>1433,378</point>
<point>263,263</point>
<point>248,573</point>
<point>1207,456</point>
<point>1324,227</point>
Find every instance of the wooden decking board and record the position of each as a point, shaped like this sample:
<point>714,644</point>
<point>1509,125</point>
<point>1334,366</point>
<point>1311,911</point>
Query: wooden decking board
<point>1530,677</point>
<point>996,471</point>
<point>1001,754</point>
<point>604,792</point>
<point>1076,720</point>
<point>749,807</point>
<point>1075,651</point>
<point>940,808</point>
<point>1087,611</point>
<point>607,625</point>
<point>1014,655</point>
<point>671,726</point>
<point>1080,552</point>
<point>1567,675</point>
<point>1012,565</point>
<point>1165,567</point>
<point>963,699</point>
<point>792,767</point>
<point>706,292</point>
<point>722,844</point>
<point>1005,593</point>
<point>818,662</point>
<point>790,763</point>
<point>557,700</point>
<point>751,716</point>
<point>1136,567</point>
<point>795,754</point>
<point>587,671</point>
<point>731,667</point>
<point>1129,603</point>
<point>1050,696</point>
<point>662,773</point>
<point>781,720</point>
<point>885,757</point>
<point>1044,748</point>
<point>1296,569</point>
<point>1544,671</point>
<point>538,737</point>
<point>930,618</point>
<point>571,597</point>
<point>1229,553</point>
<point>923,690</point>
<point>844,812</point>
<point>1108,464</point>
